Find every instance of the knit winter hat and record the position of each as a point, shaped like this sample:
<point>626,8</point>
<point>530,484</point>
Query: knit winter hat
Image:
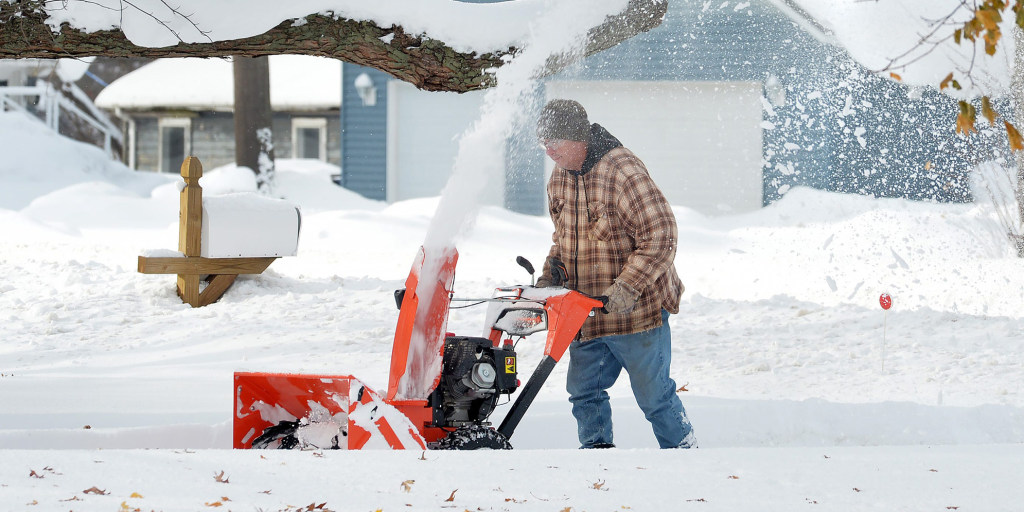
<point>563,120</point>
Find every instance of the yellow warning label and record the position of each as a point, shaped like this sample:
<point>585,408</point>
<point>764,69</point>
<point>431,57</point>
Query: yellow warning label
<point>510,364</point>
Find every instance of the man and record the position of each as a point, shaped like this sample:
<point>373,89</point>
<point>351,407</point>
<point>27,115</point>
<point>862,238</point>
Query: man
<point>615,234</point>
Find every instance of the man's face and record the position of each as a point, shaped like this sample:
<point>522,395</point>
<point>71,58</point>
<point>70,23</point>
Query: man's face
<point>567,154</point>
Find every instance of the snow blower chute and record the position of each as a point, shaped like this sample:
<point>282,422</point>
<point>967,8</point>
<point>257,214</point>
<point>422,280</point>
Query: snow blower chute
<point>442,387</point>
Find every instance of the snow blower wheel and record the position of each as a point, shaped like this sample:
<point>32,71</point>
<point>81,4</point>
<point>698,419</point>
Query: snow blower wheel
<point>475,437</point>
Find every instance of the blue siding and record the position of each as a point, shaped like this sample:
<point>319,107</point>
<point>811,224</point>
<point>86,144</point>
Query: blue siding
<point>364,135</point>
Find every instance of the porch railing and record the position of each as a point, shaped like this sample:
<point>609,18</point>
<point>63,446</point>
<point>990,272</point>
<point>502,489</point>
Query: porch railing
<point>50,104</point>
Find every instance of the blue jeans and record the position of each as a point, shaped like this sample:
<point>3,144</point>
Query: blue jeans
<point>594,366</point>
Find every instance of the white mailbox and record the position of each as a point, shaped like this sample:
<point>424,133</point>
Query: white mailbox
<point>247,225</point>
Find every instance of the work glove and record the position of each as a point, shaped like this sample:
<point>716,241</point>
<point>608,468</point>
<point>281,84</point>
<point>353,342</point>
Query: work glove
<point>621,298</point>
<point>555,276</point>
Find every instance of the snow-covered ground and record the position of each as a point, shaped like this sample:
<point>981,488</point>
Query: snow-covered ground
<point>803,391</point>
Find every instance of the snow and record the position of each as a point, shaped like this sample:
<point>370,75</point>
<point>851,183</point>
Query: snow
<point>802,390</point>
<point>297,82</point>
<point>779,345</point>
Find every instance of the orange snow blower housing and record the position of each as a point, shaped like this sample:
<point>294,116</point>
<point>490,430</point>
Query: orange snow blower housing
<point>442,387</point>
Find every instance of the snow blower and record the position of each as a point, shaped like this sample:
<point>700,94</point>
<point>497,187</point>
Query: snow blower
<point>442,387</point>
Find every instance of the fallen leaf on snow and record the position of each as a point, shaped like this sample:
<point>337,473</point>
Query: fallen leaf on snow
<point>599,485</point>
<point>221,478</point>
<point>96,490</point>
<point>312,507</point>
<point>135,495</point>
<point>407,485</point>
<point>451,497</point>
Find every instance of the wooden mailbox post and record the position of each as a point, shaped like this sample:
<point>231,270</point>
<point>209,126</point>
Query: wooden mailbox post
<point>191,268</point>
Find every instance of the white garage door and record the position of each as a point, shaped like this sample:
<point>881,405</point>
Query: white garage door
<point>701,141</point>
<point>423,132</point>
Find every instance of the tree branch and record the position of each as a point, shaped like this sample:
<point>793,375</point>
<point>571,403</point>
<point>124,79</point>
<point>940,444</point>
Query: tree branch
<point>426,63</point>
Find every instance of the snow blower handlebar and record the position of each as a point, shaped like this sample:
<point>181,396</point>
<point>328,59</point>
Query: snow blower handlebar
<point>523,310</point>
<point>566,314</point>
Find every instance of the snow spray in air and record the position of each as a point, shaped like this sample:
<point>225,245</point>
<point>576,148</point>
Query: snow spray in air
<point>559,30</point>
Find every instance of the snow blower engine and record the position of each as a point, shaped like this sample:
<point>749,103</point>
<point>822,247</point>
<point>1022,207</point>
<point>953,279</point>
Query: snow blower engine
<point>472,381</point>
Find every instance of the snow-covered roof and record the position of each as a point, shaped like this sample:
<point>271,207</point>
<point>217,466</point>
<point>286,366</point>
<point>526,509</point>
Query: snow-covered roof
<point>297,82</point>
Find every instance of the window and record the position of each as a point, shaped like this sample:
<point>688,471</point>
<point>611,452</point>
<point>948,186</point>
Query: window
<point>309,138</point>
<point>175,142</point>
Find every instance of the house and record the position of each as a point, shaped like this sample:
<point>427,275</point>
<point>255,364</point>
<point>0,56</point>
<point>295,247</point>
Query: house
<point>172,108</point>
<point>729,103</point>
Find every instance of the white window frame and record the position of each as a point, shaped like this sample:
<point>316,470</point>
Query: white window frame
<point>172,122</point>
<point>319,123</point>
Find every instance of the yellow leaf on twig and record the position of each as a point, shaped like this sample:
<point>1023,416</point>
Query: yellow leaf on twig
<point>988,111</point>
<point>945,81</point>
<point>989,18</point>
<point>965,119</point>
<point>1016,142</point>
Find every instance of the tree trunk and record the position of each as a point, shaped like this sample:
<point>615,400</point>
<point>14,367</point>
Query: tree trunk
<point>254,119</point>
<point>426,63</point>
